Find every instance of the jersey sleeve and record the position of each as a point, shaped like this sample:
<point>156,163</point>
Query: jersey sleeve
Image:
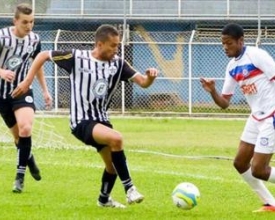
<point>229,83</point>
<point>64,59</point>
<point>127,71</point>
<point>262,60</point>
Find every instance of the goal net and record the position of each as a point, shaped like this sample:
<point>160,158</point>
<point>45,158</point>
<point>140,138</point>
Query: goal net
<point>44,134</point>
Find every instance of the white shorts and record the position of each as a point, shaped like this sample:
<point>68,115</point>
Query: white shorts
<point>261,134</point>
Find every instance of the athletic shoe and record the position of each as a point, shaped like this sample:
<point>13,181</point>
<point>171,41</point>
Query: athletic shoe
<point>34,170</point>
<point>18,185</point>
<point>133,196</point>
<point>266,208</point>
<point>111,204</point>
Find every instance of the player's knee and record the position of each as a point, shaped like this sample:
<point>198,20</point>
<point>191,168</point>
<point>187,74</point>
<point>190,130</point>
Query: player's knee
<point>25,130</point>
<point>237,165</point>
<point>110,168</point>
<point>116,142</point>
<point>259,172</point>
<point>240,166</point>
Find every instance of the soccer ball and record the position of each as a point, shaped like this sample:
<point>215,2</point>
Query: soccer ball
<point>186,195</point>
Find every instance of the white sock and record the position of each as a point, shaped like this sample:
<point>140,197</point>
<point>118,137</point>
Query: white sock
<point>259,188</point>
<point>272,175</point>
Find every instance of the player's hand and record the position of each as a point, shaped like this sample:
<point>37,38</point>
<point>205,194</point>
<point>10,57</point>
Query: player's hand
<point>7,75</point>
<point>48,100</point>
<point>151,73</point>
<point>208,84</point>
<point>21,89</point>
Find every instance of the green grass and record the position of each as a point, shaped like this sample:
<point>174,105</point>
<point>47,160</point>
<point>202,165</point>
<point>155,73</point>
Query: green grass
<point>160,152</point>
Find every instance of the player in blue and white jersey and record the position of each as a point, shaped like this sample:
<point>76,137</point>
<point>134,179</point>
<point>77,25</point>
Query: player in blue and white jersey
<point>253,70</point>
<point>18,47</point>
<point>94,76</point>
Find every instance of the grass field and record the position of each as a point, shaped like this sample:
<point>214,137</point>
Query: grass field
<point>161,153</point>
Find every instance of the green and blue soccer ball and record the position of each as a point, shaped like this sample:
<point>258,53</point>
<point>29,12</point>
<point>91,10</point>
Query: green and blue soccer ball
<point>186,195</point>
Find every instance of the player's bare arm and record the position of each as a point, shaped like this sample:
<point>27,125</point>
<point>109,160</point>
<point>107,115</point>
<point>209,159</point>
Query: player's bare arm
<point>43,84</point>
<point>209,86</point>
<point>7,75</point>
<point>37,64</point>
<point>145,80</point>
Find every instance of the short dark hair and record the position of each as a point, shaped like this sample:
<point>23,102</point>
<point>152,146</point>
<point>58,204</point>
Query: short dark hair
<point>104,31</point>
<point>23,8</point>
<point>233,30</point>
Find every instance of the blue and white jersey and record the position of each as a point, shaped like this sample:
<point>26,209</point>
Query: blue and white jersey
<point>254,71</point>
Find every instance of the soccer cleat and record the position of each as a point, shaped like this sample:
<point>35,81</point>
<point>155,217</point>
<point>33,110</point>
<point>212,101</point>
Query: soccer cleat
<point>111,204</point>
<point>133,196</point>
<point>18,185</point>
<point>34,170</point>
<point>266,208</point>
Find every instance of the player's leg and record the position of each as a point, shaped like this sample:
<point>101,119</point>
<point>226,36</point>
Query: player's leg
<point>242,161</point>
<point>264,149</point>
<point>24,117</point>
<point>108,179</point>
<point>83,132</point>
<point>107,136</point>
<point>34,170</point>
<point>23,108</point>
<point>9,118</point>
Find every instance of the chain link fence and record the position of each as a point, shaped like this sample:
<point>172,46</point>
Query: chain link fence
<point>182,49</point>
<point>184,45</point>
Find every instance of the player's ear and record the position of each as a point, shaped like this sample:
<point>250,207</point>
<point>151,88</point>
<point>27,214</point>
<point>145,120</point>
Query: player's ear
<point>100,44</point>
<point>241,39</point>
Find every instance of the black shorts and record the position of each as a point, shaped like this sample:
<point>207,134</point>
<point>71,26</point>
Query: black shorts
<point>83,131</point>
<point>9,105</point>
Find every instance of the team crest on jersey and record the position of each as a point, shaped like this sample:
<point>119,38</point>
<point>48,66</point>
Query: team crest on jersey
<point>264,141</point>
<point>13,62</point>
<point>29,99</point>
<point>100,88</point>
<point>112,70</point>
<point>245,72</point>
<point>30,49</point>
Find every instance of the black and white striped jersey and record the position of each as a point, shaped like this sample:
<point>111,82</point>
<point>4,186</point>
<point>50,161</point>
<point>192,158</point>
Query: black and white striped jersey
<point>16,54</point>
<point>93,82</point>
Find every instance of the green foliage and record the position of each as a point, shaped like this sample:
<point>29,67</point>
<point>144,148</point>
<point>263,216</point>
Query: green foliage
<point>160,152</point>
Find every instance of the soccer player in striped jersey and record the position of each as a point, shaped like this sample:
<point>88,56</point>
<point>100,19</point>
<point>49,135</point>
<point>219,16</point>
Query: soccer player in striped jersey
<point>94,76</point>
<point>253,69</point>
<point>18,46</point>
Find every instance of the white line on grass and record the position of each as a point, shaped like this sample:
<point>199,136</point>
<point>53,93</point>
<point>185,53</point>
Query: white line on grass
<point>140,151</point>
<point>140,169</point>
<point>181,156</point>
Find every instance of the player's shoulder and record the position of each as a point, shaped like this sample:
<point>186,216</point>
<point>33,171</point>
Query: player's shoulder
<point>34,35</point>
<point>117,58</point>
<point>255,50</point>
<point>5,32</point>
<point>257,53</point>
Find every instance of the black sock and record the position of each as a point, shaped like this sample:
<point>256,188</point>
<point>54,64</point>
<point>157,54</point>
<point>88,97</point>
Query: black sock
<point>119,162</point>
<point>107,184</point>
<point>24,149</point>
<point>30,156</point>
